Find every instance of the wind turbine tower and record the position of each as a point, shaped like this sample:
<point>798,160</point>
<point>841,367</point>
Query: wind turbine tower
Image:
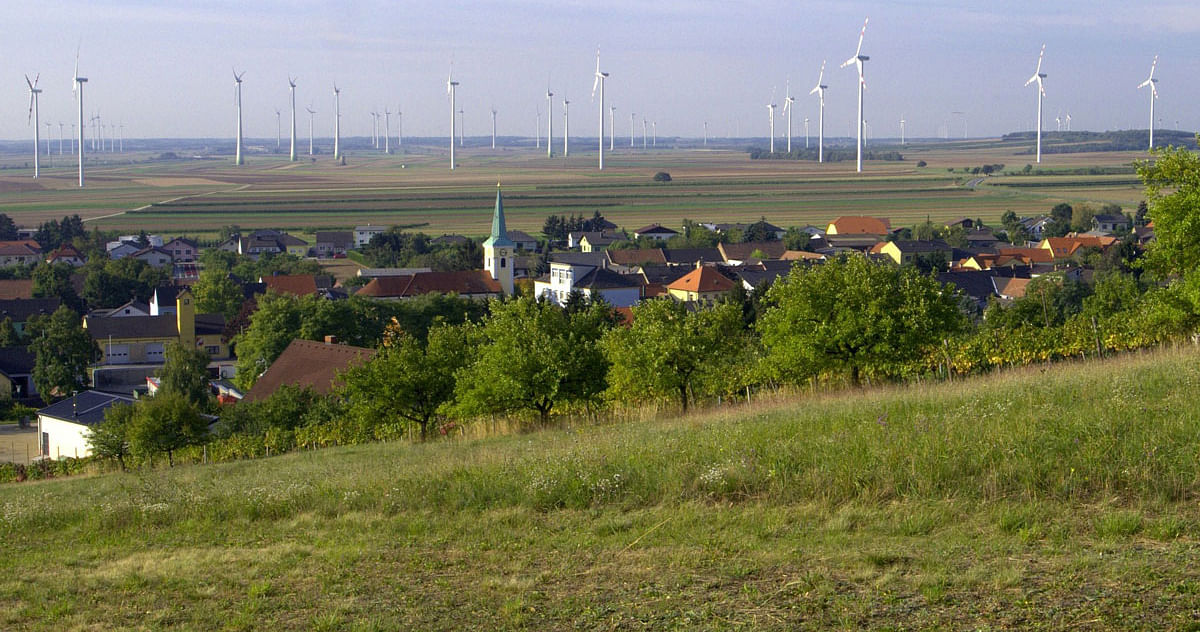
<point>237,88</point>
<point>462,123</point>
<point>549,122</point>
<point>901,129</point>
<point>292,95</point>
<point>632,122</point>
<point>858,60</point>
<point>337,123</point>
<point>387,131</point>
<point>493,127</point>
<point>278,137</point>
<point>78,89</point>
<point>60,138</point>
<point>820,92</point>
<point>1037,77</point>
<point>34,91</point>
<point>770,115</point>
<point>451,85</point>
<point>599,82</point>
<point>788,99</point>
<point>1150,81</point>
<point>612,127</point>
<point>311,112</point>
<point>566,128</point>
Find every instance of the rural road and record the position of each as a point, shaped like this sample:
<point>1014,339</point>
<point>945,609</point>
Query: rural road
<point>974,182</point>
<point>174,199</point>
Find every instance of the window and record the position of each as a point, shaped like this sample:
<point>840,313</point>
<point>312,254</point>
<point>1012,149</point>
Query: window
<point>501,262</point>
<point>212,350</point>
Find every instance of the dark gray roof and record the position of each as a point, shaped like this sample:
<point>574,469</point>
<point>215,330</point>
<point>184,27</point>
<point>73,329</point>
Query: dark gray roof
<point>579,258</point>
<point>16,361</point>
<point>20,309</point>
<point>132,327</point>
<point>209,324</point>
<point>760,278</point>
<point>604,279</point>
<point>663,274</point>
<point>692,255</point>
<point>335,236</point>
<point>86,408</point>
<point>916,245</point>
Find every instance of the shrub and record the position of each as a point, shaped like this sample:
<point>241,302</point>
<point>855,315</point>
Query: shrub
<point>662,176</point>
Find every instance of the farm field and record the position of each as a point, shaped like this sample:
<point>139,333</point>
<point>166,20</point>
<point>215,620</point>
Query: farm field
<point>1012,501</point>
<point>417,190</point>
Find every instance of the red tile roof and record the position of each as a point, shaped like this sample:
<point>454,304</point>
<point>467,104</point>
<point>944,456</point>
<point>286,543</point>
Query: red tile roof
<point>16,288</point>
<point>702,279</point>
<point>859,225</point>
<point>297,284</point>
<point>472,282</point>
<point>20,247</point>
<point>307,363</point>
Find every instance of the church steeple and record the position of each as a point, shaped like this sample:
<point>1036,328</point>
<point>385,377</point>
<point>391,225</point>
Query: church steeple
<point>498,249</point>
<point>499,232</point>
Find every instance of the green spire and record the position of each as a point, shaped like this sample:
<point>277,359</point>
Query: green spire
<point>499,235</point>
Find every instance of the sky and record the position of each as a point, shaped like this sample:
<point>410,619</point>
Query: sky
<point>163,68</point>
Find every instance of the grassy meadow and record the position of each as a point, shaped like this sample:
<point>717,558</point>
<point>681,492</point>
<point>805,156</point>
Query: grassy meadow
<point>1047,498</point>
<point>416,189</point>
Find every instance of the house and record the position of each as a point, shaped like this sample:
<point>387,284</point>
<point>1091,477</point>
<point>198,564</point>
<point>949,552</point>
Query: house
<point>1110,223</point>
<point>153,256</point>
<point>16,288</point>
<point>449,240</point>
<point>363,234</point>
<point>966,223</point>
<point>20,310</point>
<point>1010,288</point>
<point>1062,247</point>
<point>736,254</point>
<point>310,364</point>
<point>16,373</point>
<point>579,272</point>
<point>632,257</point>
<point>981,238</point>
<point>67,254</point>
<point>704,284</point>
<point>64,425</point>
<point>265,241</point>
<point>802,255</point>
<point>477,284</point>
<point>294,284</point>
<point>1036,226</point>
<point>143,339</point>
<point>846,243</point>
<point>596,242</point>
<point>655,231</point>
<point>21,251</point>
<point>523,240</point>
<point>333,242</point>
<point>692,256</point>
<point>182,249</point>
<point>121,249</point>
<point>858,225</point>
<point>574,239</point>
<point>905,252</point>
<point>132,308</point>
<point>753,279</point>
<point>726,228</point>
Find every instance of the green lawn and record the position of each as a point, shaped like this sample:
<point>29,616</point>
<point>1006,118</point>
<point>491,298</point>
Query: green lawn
<point>1050,498</point>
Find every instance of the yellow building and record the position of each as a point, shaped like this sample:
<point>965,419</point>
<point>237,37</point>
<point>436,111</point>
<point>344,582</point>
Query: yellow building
<point>702,285</point>
<point>904,252</point>
<point>143,339</point>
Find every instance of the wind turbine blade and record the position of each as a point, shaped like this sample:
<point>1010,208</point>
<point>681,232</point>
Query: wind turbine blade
<point>862,34</point>
<point>1153,65</point>
<point>28,82</point>
<point>849,61</point>
<point>1031,80</point>
<point>1040,55</point>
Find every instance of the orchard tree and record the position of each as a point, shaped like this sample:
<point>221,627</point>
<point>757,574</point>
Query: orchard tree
<point>185,371</point>
<point>855,316</point>
<point>1172,182</point>
<point>165,423</point>
<point>535,356</point>
<point>216,293</point>
<point>669,348</point>
<point>109,439</point>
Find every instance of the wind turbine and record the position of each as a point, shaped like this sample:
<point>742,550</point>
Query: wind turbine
<point>806,132</point>
<point>770,115</point>
<point>901,129</point>
<point>1058,122</point>
<point>292,95</point>
<point>337,122</point>
<point>77,88</point>
<point>820,92</point>
<point>599,82</point>
<point>48,124</point>
<point>654,133</point>
<point>788,99</point>
<point>60,138</point>
<point>643,132</point>
<point>706,133</point>
<point>1037,77</point>
<point>122,146</point>
<point>399,127</point>
<point>237,97</point>
<point>1150,81</point>
<point>387,131</point>
<point>462,123</point>
<point>537,128</point>
<point>34,91</point>
<point>566,128</point>
<point>451,85</point>
<point>858,60</point>
<point>549,121</point>
<point>632,118</point>
<point>375,129</point>
<point>311,112</point>
<point>1068,121</point>
<point>493,127</point>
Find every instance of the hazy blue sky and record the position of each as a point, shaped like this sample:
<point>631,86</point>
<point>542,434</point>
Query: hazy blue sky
<point>163,68</point>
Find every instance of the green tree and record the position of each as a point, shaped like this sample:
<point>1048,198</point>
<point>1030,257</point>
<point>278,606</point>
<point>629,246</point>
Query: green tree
<point>55,281</point>
<point>63,351</point>
<point>8,333</point>
<point>855,316</point>
<point>409,379</point>
<point>1172,184</point>
<point>669,348</point>
<point>796,239</point>
<point>8,229</point>
<point>272,327</point>
<point>760,231</point>
<point>216,293</point>
<point>535,357</point>
<point>185,371</point>
<point>109,439</point>
<point>165,423</point>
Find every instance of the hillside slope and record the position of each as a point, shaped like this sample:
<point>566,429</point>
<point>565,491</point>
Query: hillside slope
<point>1046,498</point>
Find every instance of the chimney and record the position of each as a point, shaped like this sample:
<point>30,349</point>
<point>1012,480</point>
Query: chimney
<point>331,340</point>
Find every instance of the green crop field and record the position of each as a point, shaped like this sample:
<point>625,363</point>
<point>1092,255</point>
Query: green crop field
<point>417,189</point>
<point>1060,497</point>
